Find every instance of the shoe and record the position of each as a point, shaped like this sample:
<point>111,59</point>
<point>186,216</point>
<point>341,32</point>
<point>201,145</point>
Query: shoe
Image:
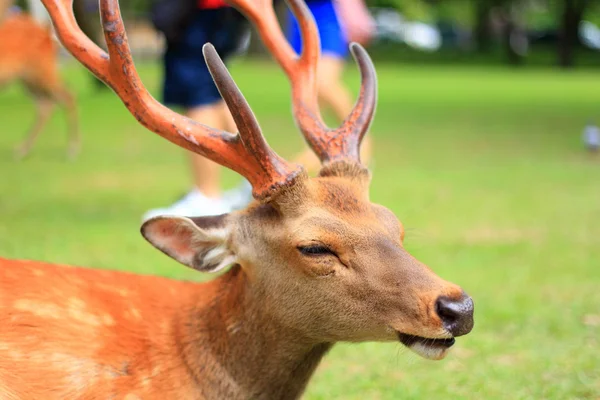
<point>239,197</point>
<point>193,204</point>
<point>591,136</point>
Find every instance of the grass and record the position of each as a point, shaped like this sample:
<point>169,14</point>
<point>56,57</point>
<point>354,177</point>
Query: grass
<point>483,166</point>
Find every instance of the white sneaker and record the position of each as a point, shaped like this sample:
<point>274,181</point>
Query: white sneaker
<point>193,204</point>
<point>239,197</point>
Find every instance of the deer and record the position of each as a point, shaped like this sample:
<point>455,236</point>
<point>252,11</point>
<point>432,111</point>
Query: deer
<point>29,54</point>
<point>309,263</point>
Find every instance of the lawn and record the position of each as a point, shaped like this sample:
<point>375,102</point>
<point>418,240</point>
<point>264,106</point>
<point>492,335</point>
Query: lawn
<point>484,167</point>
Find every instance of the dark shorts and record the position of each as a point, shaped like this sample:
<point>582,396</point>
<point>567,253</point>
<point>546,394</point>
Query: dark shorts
<point>187,81</point>
<point>331,34</point>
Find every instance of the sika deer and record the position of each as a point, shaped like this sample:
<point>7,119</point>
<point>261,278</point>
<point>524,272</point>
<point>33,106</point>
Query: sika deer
<point>28,54</point>
<point>314,262</point>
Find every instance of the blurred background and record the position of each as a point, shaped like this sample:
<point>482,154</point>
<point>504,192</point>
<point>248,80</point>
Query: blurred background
<point>483,147</point>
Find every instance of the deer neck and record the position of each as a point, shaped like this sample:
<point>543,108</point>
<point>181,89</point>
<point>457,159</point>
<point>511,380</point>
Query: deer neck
<point>235,349</point>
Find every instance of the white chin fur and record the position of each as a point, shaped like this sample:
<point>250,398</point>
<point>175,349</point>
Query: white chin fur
<point>429,352</point>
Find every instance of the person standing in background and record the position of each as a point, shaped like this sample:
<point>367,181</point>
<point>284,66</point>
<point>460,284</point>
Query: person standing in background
<point>189,85</point>
<point>340,22</point>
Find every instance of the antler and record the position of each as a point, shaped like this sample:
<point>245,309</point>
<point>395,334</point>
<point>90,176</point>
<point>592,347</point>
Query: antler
<point>342,143</point>
<point>246,152</point>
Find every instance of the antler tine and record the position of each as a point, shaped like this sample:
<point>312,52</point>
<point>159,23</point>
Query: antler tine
<point>243,116</point>
<point>246,153</point>
<point>330,145</point>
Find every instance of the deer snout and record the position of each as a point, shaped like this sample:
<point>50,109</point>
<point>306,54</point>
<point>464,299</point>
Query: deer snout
<point>456,315</point>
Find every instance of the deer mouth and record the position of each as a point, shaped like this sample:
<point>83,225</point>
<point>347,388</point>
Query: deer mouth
<point>433,349</point>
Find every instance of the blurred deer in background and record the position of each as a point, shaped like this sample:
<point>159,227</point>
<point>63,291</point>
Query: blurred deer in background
<point>29,54</point>
<point>314,262</point>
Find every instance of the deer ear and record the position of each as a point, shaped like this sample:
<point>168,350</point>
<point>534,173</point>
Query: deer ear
<point>199,243</point>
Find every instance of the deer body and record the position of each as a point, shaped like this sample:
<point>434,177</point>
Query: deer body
<point>313,260</point>
<point>28,54</point>
<point>94,332</point>
<point>107,334</point>
<point>252,333</point>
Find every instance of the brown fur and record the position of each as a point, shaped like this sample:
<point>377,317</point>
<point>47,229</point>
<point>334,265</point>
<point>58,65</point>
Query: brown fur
<point>256,332</point>
<point>314,263</point>
<point>28,54</point>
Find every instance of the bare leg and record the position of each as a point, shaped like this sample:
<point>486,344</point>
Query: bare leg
<point>44,111</point>
<point>206,174</point>
<point>206,198</point>
<point>240,196</point>
<point>228,121</point>
<point>333,94</point>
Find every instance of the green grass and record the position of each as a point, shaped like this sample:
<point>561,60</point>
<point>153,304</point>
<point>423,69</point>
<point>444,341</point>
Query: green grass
<point>483,166</point>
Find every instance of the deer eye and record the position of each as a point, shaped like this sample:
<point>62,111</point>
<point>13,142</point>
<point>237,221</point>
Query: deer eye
<point>315,250</point>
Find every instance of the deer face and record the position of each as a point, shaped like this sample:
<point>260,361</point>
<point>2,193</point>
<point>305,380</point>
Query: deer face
<point>329,264</point>
<point>323,258</point>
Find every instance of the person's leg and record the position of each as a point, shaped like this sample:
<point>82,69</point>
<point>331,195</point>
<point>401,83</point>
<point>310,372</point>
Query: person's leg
<point>332,91</point>
<point>240,196</point>
<point>205,173</point>
<point>334,95</point>
<point>206,197</point>
<point>222,28</point>
<point>188,84</point>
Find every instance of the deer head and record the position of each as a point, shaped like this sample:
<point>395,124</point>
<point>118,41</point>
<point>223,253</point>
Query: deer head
<point>319,255</point>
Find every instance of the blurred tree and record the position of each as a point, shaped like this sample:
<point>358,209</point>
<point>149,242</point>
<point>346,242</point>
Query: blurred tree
<point>415,9</point>
<point>511,16</point>
<point>482,32</point>
<point>514,35</point>
<point>571,15</point>
<point>507,12</point>
<point>459,11</point>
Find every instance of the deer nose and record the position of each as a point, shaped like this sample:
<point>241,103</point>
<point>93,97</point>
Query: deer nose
<point>456,315</point>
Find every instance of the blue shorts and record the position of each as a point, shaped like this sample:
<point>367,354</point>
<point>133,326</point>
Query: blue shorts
<point>187,81</point>
<point>333,40</point>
